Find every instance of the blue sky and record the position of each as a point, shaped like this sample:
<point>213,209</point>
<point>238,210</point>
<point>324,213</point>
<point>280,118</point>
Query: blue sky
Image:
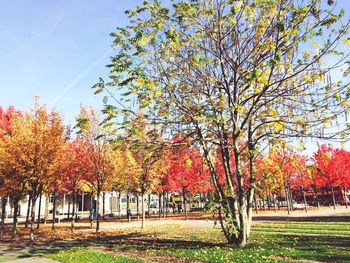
<point>57,50</point>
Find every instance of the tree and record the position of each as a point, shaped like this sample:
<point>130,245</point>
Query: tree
<point>100,154</point>
<point>233,75</point>
<point>148,148</point>
<point>331,169</point>
<point>186,173</point>
<point>127,173</point>
<point>12,176</point>
<point>77,168</point>
<point>40,151</point>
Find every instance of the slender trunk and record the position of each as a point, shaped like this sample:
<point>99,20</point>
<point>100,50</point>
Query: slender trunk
<point>28,209</point>
<point>316,199</point>
<point>137,207</point>
<point>160,205</point>
<point>76,207</point>
<point>68,210</point>
<point>128,212</point>
<point>346,198</point>
<point>149,205</point>
<point>167,204</point>
<point>275,202</point>
<point>54,210</point>
<point>91,214</point>
<point>287,199</point>
<point>103,205</point>
<point>305,199</point>
<point>290,198</point>
<point>15,218</point>
<point>143,208</point>
<point>164,204</point>
<point>263,200</point>
<point>3,212</point>
<point>256,203</point>
<point>120,204</point>
<point>32,219</point>
<point>39,212</point>
<point>97,211</point>
<point>73,211</point>
<point>333,197</point>
<point>185,204</point>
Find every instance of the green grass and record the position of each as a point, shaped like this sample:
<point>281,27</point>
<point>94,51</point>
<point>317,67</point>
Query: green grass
<point>77,255</point>
<point>270,242</point>
<point>274,246</point>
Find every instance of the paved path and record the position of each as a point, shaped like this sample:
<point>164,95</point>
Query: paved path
<point>32,260</point>
<point>25,254</point>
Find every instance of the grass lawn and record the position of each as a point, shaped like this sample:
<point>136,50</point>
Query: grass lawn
<point>271,242</point>
<point>78,255</point>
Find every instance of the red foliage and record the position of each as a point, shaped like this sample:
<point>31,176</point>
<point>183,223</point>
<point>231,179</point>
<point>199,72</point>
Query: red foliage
<point>5,118</point>
<point>77,167</point>
<point>332,167</point>
<point>186,171</point>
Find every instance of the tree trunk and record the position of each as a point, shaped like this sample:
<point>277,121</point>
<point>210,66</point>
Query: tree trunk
<point>237,230</point>
<point>68,214</point>
<point>185,204</point>
<point>28,210</point>
<point>3,212</point>
<point>39,212</point>
<point>143,209</point>
<point>128,212</point>
<point>305,199</point>
<point>73,211</point>
<point>164,204</point>
<point>316,199</point>
<point>263,200</point>
<point>275,203</point>
<point>54,210</point>
<point>137,207</point>
<point>103,205</point>
<point>91,214</point>
<point>160,205</point>
<point>345,199</point>
<point>97,211</point>
<point>287,199</point>
<point>333,197</point>
<point>149,205</point>
<point>120,204</point>
<point>15,218</point>
<point>290,198</point>
<point>167,204</point>
<point>256,203</point>
<point>32,219</point>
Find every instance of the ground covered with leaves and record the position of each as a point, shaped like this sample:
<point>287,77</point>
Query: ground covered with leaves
<point>197,241</point>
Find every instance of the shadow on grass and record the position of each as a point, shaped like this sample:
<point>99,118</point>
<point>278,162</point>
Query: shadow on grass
<point>140,241</point>
<point>303,219</point>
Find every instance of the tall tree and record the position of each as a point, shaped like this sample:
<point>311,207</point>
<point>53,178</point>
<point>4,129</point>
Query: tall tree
<point>13,183</point>
<point>42,150</point>
<point>234,74</point>
<point>186,173</point>
<point>100,154</point>
<point>77,168</point>
<point>147,147</point>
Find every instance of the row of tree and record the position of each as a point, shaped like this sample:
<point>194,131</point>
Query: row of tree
<point>38,156</point>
